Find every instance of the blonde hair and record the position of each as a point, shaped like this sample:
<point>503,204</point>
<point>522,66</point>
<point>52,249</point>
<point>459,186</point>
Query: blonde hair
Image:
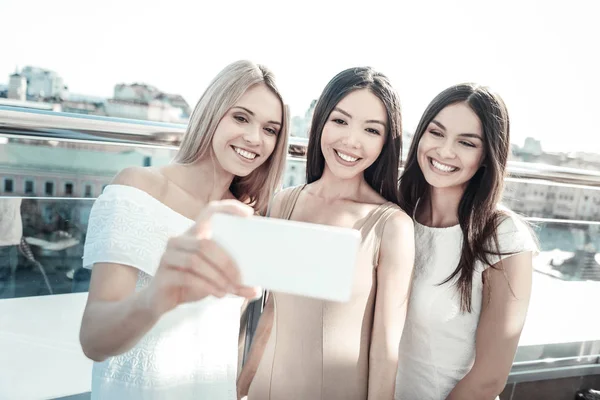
<point>222,93</point>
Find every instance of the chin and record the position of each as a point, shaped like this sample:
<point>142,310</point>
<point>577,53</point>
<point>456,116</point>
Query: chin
<point>236,170</point>
<point>441,183</point>
<point>345,173</point>
<point>241,172</point>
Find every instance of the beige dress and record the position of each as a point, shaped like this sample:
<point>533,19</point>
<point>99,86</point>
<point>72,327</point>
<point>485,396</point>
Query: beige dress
<point>320,349</point>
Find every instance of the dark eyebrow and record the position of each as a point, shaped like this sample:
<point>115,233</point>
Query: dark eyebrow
<point>252,114</point>
<point>376,121</point>
<point>347,114</point>
<point>438,124</point>
<point>467,135</point>
<point>471,135</point>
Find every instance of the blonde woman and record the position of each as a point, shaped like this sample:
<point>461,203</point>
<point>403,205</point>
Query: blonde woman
<point>162,316</point>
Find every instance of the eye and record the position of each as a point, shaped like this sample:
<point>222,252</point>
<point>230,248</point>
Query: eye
<point>468,144</point>
<point>240,118</point>
<point>373,131</point>
<point>339,121</point>
<point>436,133</point>
<point>271,131</point>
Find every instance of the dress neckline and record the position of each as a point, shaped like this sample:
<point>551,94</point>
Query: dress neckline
<point>358,225</point>
<point>147,196</point>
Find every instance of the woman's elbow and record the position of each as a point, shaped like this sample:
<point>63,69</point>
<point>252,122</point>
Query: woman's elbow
<point>491,388</point>
<point>90,352</point>
<point>87,346</point>
<point>384,357</point>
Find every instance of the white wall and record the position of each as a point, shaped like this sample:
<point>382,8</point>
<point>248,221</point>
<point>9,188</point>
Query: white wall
<point>40,355</point>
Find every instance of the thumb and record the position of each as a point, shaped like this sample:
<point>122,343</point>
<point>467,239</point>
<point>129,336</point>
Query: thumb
<point>232,207</point>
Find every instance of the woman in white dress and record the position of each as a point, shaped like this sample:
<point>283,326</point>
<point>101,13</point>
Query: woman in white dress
<point>469,296</point>
<point>163,311</point>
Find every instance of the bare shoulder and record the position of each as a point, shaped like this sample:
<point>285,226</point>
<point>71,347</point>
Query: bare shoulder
<point>149,180</point>
<point>398,243</point>
<point>398,226</point>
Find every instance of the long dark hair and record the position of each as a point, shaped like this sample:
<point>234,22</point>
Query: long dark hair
<point>478,213</point>
<point>382,175</point>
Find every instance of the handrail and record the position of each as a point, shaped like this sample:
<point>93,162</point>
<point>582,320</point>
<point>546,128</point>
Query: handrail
<point>50,125</point>
<point>23,122</point>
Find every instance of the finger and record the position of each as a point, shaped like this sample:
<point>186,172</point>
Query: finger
<point>196,288</point>
<point>192,263</point>
<point>212,253</point>
<point>191,286</point>
<point>221,260</point>
<point>248,292</point>
<point>232,207</point>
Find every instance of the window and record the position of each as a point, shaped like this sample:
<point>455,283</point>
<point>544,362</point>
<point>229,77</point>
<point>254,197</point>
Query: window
<point>29,188</point>
<point>8,185</point>
<point>68,189</point>
<point>49,189</point>
<point>88,191</point>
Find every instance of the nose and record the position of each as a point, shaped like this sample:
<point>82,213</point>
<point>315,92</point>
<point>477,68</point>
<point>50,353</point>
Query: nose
<point>351,139</point>
<point>446,150</point>
<point>252,135</point>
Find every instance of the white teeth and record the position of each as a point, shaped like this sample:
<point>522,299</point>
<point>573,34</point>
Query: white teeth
<point>346,157</point>
<point>246,154</point>
<point>442,167</point>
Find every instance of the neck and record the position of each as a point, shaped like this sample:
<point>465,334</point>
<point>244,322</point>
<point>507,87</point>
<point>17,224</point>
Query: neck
<point>206,179</point>
<point>330,187</point>
<point>440,209</point>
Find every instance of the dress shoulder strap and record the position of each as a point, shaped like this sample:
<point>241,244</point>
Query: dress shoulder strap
<point>375,225</point>
<point>289,202</point>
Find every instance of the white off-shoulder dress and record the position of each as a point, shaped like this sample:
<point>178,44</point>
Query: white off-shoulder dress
<point>191,353</point>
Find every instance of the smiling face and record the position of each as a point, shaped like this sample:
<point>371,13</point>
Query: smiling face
<point>354,134</point>
<point>451,149</point>
<point>247,134</point>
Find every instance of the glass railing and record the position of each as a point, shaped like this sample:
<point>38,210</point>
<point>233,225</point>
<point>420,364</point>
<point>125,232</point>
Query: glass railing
<point>53,166</point>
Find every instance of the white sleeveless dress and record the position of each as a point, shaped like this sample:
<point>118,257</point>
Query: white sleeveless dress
<point>438,342</point>
<point>191,353</point>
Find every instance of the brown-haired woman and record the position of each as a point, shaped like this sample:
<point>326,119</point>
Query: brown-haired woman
<point>473,265</point>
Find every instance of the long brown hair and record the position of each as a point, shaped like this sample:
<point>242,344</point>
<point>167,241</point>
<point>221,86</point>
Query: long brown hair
<point>478,212</point>
<point>222,93</point>
<point>382,175</point>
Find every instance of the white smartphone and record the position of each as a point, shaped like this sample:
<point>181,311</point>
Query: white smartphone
<point>291,257</point>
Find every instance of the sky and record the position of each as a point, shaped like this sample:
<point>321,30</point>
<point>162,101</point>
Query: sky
<point>541,56</point>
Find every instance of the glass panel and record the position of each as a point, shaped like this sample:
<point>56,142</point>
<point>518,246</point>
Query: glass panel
<point>560,323</point>
<point>42,246</point>
<point>42,236</point>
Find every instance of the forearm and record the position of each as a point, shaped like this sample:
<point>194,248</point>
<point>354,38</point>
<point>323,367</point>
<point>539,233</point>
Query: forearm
<point>382,375</point>
<point>110,328</point>
<point>473,388</point>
